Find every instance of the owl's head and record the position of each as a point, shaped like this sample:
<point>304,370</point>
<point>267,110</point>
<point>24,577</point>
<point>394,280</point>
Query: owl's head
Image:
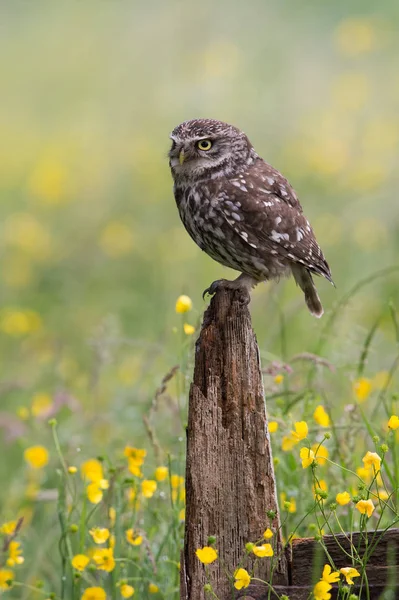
<point>206,148</point>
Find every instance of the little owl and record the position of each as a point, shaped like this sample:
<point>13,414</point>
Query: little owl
<point>241,211</point>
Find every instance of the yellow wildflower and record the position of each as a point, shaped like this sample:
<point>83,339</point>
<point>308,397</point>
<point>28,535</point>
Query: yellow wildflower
<point>206,555</point>
<point>362,388</point>
<point>176,481</point>
<point>268,534</point>
<point>6,579</point>
<point>242,579</point>
<point>41,405</point>
<point>371,460</point>
<point>263,550</point>
<point>92,470</point>
<point>355,36</point>
<point>104,559</point>
<point>321,416</point>
<point>14,554</point>
<point>132,539</point>
<point>127,591</point>
<point>135,454</point>
<point>80,562</point>
<point>349,573</point>
<point>134,468</point>
<point>94,593</point>
<point>116,239</point>
<point>161,473</point>
<point>8,528</point>
<point>321,453</point>
<point>148,488</point>
<point>393,422</point>
<point>287,443</point>
<point>153,589</point>
<point>364,474</point>
<point>112,516</point>
<point>23,413</point>
<point>365,507</point>
<point>321,590</point>
<point>273,426</point>
<point>320,487</point>
<point>182,514</point>
<point>183,304</point>
<point>99,534</point>
<point>301,431</point>
<point>94,493</point>
<point>329,576</point>
<point>72,470</point>
<point>307,457</point>
<point>19,322</point>
<point>279,379</point>
<point>383,495</point>
<point>36,456</point>
<point>343,498</point>
<point>289,505</point>
<point>188,329</point>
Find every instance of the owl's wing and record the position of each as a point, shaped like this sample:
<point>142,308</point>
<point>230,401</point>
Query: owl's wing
<point>269,219</point>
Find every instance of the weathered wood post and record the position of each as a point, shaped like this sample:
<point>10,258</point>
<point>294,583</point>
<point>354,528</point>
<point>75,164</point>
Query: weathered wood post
<point>229,473</point>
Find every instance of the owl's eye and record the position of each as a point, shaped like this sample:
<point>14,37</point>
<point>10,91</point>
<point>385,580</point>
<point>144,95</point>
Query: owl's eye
<point>204,145</point>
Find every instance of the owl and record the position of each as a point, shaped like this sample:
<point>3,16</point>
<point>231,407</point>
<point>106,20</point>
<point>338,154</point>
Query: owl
<point>241,211</point>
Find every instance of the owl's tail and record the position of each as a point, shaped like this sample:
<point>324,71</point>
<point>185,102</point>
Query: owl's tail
<point>305,281</point>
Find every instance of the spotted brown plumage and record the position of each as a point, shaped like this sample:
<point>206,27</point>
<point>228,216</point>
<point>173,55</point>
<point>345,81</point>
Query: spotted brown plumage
<point>241,211</point>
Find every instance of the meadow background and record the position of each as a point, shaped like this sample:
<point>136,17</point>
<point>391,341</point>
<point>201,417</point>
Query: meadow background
<point>93,255</point>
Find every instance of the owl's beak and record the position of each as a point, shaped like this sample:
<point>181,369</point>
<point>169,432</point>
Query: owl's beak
<point>181,156</point>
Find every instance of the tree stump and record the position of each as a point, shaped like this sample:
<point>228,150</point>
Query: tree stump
<point>230,480</point>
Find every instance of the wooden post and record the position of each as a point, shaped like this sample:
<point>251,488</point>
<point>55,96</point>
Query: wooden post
<point>229,473</point>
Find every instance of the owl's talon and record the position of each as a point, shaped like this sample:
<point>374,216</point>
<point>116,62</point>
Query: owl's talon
<point>212,289</point>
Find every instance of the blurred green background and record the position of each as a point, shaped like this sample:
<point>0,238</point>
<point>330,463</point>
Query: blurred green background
<point>93,255</point>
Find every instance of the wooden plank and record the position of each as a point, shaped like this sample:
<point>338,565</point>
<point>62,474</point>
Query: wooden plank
<point>306,553</point>
<point>229,473</point>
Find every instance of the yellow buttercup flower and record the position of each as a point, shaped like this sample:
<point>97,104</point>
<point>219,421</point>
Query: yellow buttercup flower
<point>137,455</point>
<point>127,591</point>
<point>36,456</point>
<point>301,431</point>
<point>148,487</point>
<point>242,579</point>
<point>183,304</point>
<point>383,495</point>
<point>94,493</point>
<point>92,470</point>
<point>362,388</point>
<point>349,573</point>
<point>329,576</point>
<point>116,239</point>
<point>278,379</point>
<point>364,474</point>
<point>112,515</point>
<point>290,504</point>
<point>287,443</point>
<point>8,528</point>
<point>41,404</point>
<point>321,416</point>
<point>268,534</point>
<point>94,593</point>
<point>307,457</point>
<point>321,590</point>
<point>321,453</point>
<point>188,329</point>
<point>206,555</point>
<point>16,323</point>
<point>343,498</point>
<point>176,481</point>
<point>99,534</point>
<point>80,562</point>
<point>6,579</point>
<point>263,550</point>
<point>365,507</point>
<point>72,470</point>
<point>371,460</point>
<point>104,559</point>
<point>14,554</point>
<point>182,514</point>
<point>131,538</point>
<point>153,589</point>
<point>273,426</point>
<point>161,473</point>
<point>393,422</point>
